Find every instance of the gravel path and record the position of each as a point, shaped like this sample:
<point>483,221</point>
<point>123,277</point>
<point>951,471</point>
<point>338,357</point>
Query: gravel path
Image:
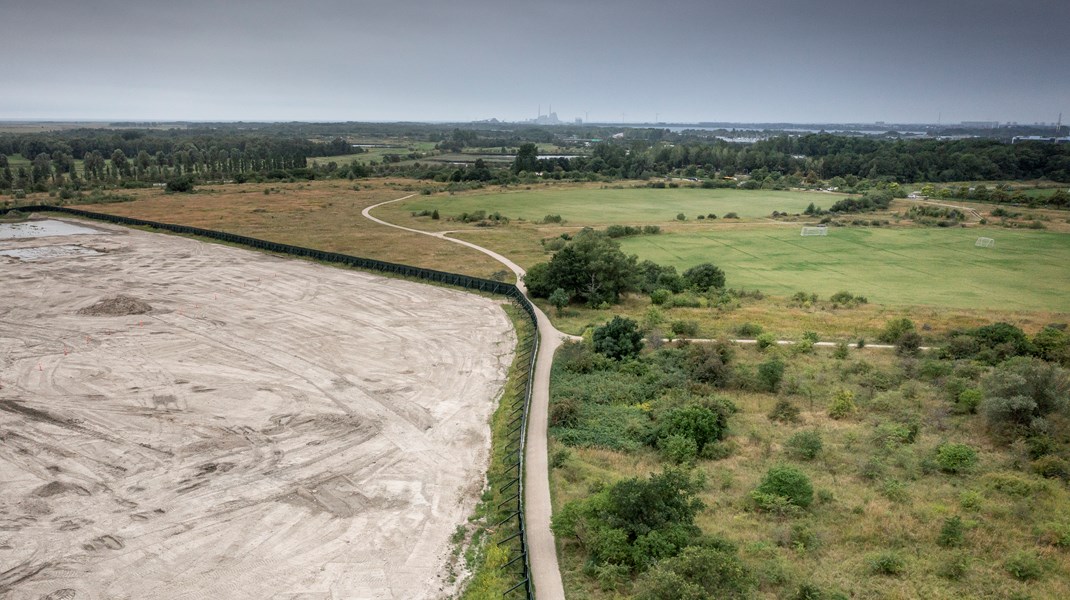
<point>542,550</point>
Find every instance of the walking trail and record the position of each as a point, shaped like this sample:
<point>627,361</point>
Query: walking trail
<point>542,551</point>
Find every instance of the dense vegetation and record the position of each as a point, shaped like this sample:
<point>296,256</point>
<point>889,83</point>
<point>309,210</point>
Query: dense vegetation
<point>79,158</point>
<point>937,474</point>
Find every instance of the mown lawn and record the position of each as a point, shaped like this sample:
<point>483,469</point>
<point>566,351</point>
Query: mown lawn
<point>1027,270</point>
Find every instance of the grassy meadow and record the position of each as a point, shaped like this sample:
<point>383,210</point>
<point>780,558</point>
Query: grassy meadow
<point>1027,270</point>
<point>320,214</point>
<point>588,205</point>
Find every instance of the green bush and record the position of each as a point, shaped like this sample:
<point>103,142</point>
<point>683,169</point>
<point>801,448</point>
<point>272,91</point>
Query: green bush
<point>678,449</point>
<point>894,329</point>
<point>968,400</point>
<point>749,330</point>
<point>619,339</point>
<point>843,405</point>
<point>1022,392</point>
<point>805,445</point>
<point>788,482</point>
<point>886,563</point>
<point>697,423</point>
<point>766,340</point>
<point>1024,566</point>
<point>660,296</point>
<point>955,458</point>
<point>770,373</point>
<point>841,352</point>
<point>784,411</point>
<point>952,533</point>
<point>698,573</point>
<point>684,328</point>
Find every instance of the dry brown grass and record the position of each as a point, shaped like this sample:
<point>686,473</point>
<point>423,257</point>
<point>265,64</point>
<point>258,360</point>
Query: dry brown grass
<point>317,214</point>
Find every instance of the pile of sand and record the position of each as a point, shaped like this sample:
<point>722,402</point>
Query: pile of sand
<point>116,307</point>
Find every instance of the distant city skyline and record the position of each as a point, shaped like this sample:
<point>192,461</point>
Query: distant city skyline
<point>797,61</point>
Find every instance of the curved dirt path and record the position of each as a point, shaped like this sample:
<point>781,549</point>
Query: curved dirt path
<point>542,551</point>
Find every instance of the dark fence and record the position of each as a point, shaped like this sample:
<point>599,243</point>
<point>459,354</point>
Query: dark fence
<point>518,424</point>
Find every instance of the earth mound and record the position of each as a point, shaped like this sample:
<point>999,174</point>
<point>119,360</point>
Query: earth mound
<point>118,306</point>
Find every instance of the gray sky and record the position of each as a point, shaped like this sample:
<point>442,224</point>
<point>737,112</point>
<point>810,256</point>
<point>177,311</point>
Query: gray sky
<point>713,60</point>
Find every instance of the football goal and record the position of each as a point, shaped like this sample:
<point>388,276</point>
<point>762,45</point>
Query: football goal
<point>815,231</point>
<point>983,242</point>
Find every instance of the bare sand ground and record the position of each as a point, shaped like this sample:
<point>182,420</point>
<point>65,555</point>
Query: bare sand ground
<point>271,429</point>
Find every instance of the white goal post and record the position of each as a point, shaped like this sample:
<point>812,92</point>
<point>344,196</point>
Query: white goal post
<point>814,231</point>
<point>983,242</point>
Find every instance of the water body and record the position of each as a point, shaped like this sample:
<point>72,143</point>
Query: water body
<point>46,228</point>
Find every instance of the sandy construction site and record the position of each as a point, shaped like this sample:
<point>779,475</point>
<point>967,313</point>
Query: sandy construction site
<point>270,428</point>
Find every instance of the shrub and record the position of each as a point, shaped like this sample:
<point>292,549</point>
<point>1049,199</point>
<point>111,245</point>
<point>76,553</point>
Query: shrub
<point>681,217</point>
<point>1023,391</point>
<point>1024,566</point>
<point>955,567</point>
<point>886,563</point>
<point>684,328</point>
<point>660,296</point>
<point>770,373</point>
<point>697,423</point>
<point>766,340</point>
<point>955,458</point>
<point>895,490</point>
<point>805,445</point>
<point>749,330</point>
<point>564,412</point>
<point>697,573</point>
<point>908,343</point>
<point>784,411</point>
<point>731,215</point>
<point>968,400</point>
<point>788,482</point>
<point>618,339</point>
<point>951,533</point>
<point>1052,467</point>
<point>181,184</point>
<point>678,449</point>
<point>970,500</point>
<point>894,329</point>
<point>841,351</point>
<point>843,405</point>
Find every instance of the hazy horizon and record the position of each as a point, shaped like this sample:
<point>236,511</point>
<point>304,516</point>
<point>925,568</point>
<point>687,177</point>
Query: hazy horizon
<point>763,61</point>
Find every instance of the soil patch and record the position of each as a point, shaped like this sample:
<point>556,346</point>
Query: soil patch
<point>117,306</point>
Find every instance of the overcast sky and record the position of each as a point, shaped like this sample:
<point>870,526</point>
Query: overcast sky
<point>803,61</point>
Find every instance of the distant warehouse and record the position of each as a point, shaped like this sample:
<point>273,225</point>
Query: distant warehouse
<point>1040,138</point>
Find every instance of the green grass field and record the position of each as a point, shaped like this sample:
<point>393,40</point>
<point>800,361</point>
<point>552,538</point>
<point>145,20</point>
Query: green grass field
<point>1027,270</point>
<point>589,206</point>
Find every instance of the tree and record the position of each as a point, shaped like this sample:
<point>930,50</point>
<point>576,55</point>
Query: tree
<point>120,163</point>
<point>591,267</point>
<point>559,298</point>
<point>619,339</point>
<point>527,158</point>
<point>704,277</point>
